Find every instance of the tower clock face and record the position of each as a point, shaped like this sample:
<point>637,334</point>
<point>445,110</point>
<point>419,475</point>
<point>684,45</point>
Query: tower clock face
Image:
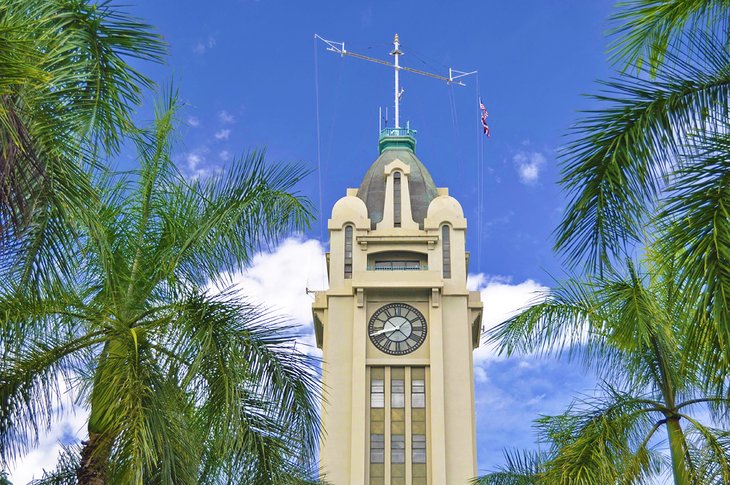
<point>397,329</point>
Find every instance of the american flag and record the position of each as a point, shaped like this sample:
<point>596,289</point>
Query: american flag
<point>484,119</point>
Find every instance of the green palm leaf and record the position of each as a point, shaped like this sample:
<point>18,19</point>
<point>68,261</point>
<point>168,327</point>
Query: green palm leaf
<point>615,168</point>
<point>67,92</point>
<point>521,467</point>
<point>649,28</point>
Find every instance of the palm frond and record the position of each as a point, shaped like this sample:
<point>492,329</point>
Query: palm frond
<point>243,353</point>
<point>569,318</point>
<point>237,215</point>
<point>648,28</point>
<point>616,165</point>
<point>67,89</point>
<point>696,229</point>
<point>521,467</point>
<point>709,452</point>
<point>602,440</point>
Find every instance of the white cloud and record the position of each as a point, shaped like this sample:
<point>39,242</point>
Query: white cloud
<point>70,426</point>
<point>194,160</point>
<point>480,375</point>
<point>502,300</point>
<point>280,280</point>
<point>226,117</point>
<point>529,165</point>
<point>197,166</point>
<point>535,400</point>
<point>193,121</point>
<point>223,134</point>
<point>202,46</point>
<point>224,155</point>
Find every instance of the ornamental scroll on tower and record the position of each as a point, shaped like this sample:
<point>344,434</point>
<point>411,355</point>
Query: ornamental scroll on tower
<point>397,328</point>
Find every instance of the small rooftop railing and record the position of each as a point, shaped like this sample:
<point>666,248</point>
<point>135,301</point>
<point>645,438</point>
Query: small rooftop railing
<point>397,138</point>
<point>391,132</point>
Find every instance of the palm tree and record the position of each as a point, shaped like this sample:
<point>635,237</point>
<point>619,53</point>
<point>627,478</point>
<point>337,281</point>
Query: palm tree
<point>633,329</point>
<point>651,163</point>
<point>67,93</point>
<point>184,379</point>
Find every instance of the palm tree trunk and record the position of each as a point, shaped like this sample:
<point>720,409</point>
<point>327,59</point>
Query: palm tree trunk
<point>95,454</point>
<point>677,450</point>
<point>94,457</point>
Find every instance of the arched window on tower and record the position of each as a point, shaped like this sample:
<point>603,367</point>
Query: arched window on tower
<point>446,250</point>
<point>348,252</point>
<point>396,199</point>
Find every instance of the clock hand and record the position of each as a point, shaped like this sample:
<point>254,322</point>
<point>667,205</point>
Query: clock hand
<point>394,328</point>
<point>383,331</point>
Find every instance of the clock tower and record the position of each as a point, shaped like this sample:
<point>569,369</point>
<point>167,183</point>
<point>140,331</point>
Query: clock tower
<point>397,327</point>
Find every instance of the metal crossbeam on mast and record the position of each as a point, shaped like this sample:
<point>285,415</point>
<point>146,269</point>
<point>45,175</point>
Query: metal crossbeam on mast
<point>453,77</point>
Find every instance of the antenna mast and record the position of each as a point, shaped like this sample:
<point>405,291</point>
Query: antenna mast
<point>453,78</point>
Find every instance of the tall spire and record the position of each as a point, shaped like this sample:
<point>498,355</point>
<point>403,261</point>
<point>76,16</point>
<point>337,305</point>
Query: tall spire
<point>396,66</point>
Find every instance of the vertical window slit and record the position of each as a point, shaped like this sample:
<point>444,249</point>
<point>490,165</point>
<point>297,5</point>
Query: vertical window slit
<point>377,426</point>
<point>419,444</point>
<point>348,252</point>
<point>396,199</point>
<point>446,251</point>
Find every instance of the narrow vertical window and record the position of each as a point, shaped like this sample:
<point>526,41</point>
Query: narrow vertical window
<point>377,426</point>
<point>418,426</point>
<point>397,426</point>
<point>446,250</point>
<point>348,252</point>
<point>396,199</point>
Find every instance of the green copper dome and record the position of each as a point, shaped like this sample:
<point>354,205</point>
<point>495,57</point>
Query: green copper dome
<point>420,184</point>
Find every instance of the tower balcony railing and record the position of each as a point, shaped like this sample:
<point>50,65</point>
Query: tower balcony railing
<point>397,138</point>
<point>403,267</point>
<point>388,132</point>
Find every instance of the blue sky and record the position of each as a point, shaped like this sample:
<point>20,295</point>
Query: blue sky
<point>246,73</point>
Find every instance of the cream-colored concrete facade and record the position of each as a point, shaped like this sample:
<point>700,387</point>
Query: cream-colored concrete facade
<point>414,230</point>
